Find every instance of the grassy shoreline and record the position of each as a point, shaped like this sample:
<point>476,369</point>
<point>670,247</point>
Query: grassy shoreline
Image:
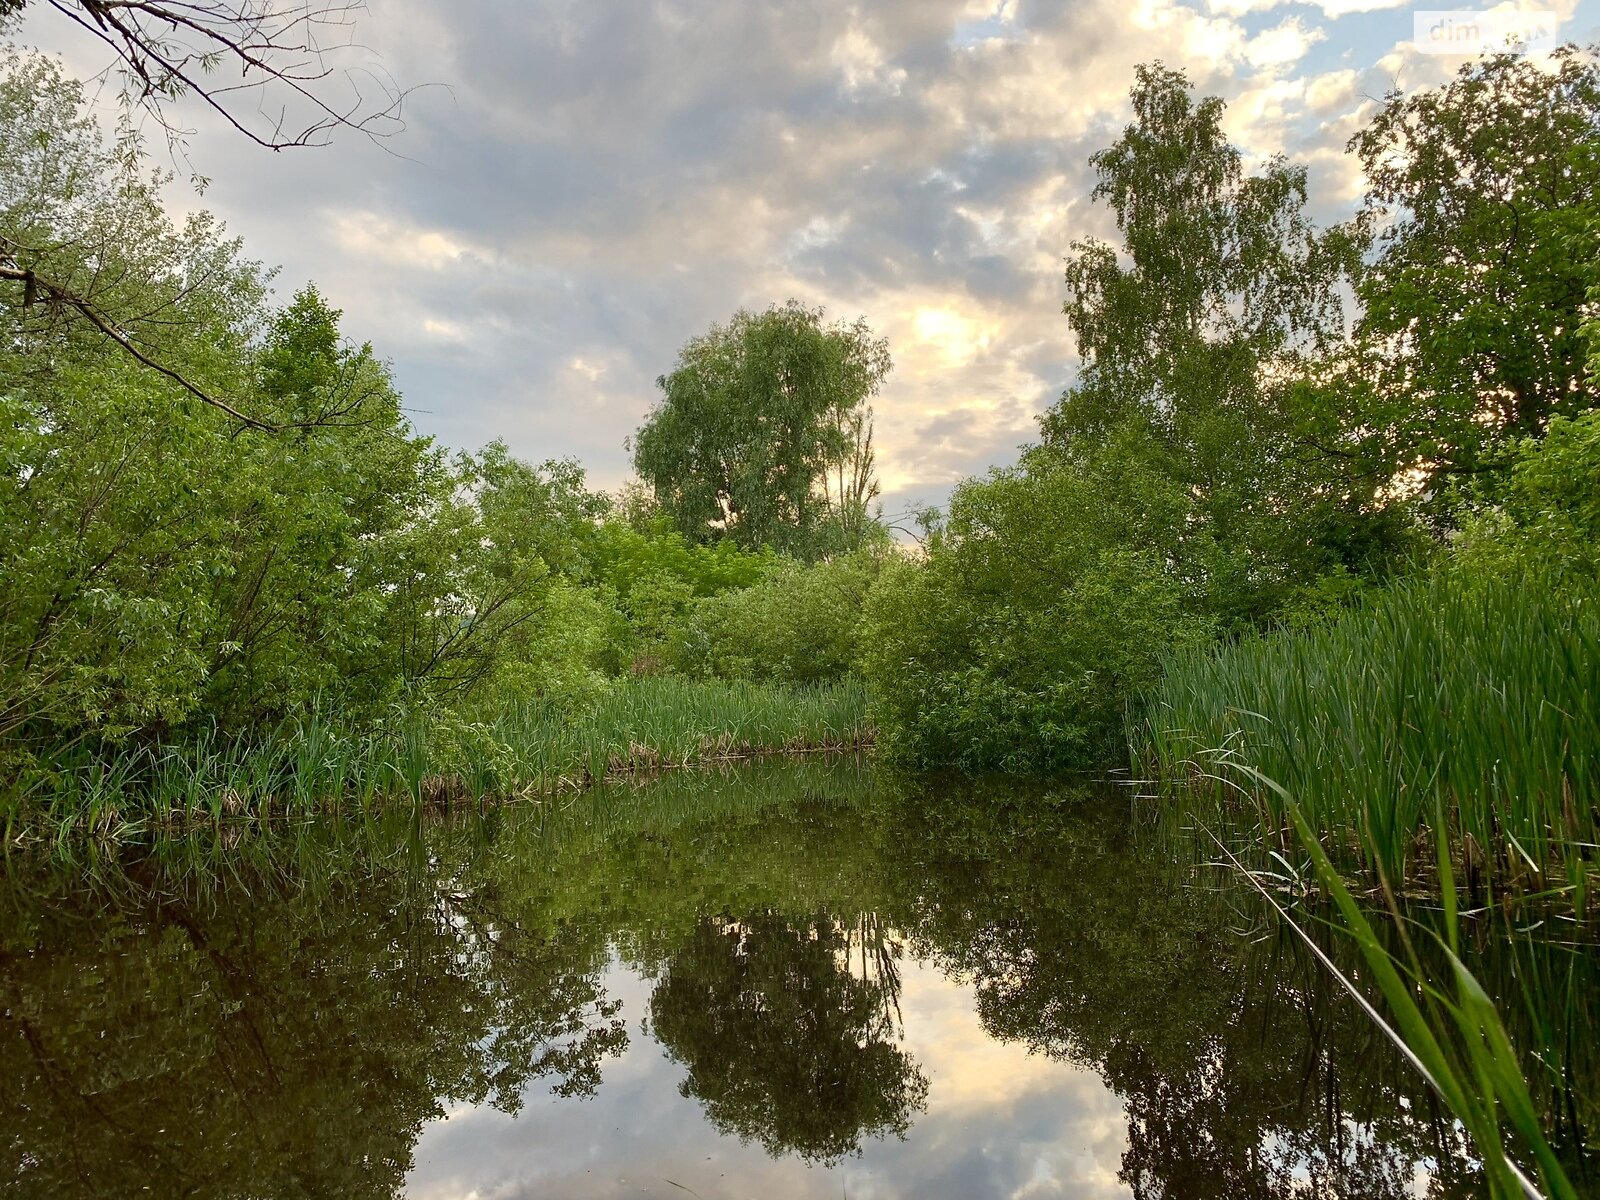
<point>1466,715</point>
<point>314,765</point>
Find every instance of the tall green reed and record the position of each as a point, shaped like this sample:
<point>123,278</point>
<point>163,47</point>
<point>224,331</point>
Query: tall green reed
<point>1450,1031</point>
<point>420,754</point>
<point>1449,706</point>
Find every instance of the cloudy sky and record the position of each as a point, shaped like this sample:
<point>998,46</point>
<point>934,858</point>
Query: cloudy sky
<point>585,184</point>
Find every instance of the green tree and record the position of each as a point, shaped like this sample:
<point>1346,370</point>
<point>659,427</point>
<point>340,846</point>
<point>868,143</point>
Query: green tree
<point>1194,334</point>
<point>763,433</point>
<point>311,519</point>
<point>112,537</point>
<point>480,579</point>
<point>168,564</point>
<point>1544,515</point>
<point>1167,500</point>
<point>651,575</point>
<point>1484,205</point>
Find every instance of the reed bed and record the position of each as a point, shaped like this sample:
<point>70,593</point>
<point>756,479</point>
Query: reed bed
<point>316,764</point>
<point>1446,1025</point>
<point>1447,706</point>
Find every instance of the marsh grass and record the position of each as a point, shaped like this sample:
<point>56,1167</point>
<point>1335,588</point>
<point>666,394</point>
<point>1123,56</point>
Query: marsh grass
<point>429,757</point>
<point>211,859</point>
<point>1444,1021</point>
<point>1446,708</point>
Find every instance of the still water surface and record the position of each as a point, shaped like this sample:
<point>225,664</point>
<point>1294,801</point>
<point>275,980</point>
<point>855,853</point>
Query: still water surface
<point>794,982</point>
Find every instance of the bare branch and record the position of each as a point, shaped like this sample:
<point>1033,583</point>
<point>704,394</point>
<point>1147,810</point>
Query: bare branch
<point>171,48</point>
<point>38,289</point>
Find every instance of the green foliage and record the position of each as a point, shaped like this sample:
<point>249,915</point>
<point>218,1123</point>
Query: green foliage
<point>309,527</point>
<point>1161,504</point>
<point>764,432</point>
<point>1455,707</point>
<point>169,566</point>
<point>1197,334</point>
<point>1546,511</point>
<point>1455,1039</point>
<point>500,746</point>
<point>622,554</point>
<point>1484,198</point>
<point>800,624</point>
<point>479,576</point>
<point>175,570</point>
<point>1225,457</point>
<point>653,574</point>
<point>1042,605</point>
<point>107,547</point>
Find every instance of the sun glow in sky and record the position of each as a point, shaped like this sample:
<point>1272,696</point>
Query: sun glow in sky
<point>956,338</point>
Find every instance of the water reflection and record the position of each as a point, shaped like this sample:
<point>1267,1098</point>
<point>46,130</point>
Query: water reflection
<point>272,1039</point>
<point>784,1043</point>
<point>792,983</point>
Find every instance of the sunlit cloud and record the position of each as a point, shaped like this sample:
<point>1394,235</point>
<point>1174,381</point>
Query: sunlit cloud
<point>955,338</point>
<point>1282,45</point>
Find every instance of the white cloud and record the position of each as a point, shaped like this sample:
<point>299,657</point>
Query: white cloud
<point>371,237</point>
<point>1242,8</point>
<point>1282,45</point>
<point>1331,92</point>
<point>860,62</point>
<point>1334,9</point>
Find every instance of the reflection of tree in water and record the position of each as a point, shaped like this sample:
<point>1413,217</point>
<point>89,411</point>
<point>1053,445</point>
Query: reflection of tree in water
<point>276,1039</point>
<point>786,1044</point>
<point>1245,1075</point>
<point>290,1037</point>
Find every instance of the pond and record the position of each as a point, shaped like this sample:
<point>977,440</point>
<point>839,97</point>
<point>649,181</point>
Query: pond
<point>796,981</point>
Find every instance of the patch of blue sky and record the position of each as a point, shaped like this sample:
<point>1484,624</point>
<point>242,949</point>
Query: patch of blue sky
<point>1358,40</point>
<point>998,23</point>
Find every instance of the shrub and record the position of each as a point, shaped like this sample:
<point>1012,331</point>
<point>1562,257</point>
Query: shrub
<point>801,624</point>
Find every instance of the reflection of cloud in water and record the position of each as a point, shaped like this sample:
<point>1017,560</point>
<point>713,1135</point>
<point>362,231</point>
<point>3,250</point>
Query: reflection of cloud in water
<point>1000,1123</point>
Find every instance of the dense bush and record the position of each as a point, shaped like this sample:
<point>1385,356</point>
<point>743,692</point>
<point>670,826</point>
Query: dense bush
<point>651,576</point>
<point>800,624</point>
<point>1035,613</point>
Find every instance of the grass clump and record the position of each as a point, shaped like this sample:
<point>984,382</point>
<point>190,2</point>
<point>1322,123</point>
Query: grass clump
<point>1452,707</point>
<point>1445,1023</point>
<point>428,756</point>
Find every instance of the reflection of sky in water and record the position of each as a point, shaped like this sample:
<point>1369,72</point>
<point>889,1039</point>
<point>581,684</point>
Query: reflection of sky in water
<point>999,1123</point>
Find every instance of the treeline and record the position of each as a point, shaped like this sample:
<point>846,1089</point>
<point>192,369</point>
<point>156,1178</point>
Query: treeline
<point>1273,423</point>
<point>215,517</point>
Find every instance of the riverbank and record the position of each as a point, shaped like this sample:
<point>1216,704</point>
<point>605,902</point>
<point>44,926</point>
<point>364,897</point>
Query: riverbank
<point>432,757</point>
<point>1446,711</point>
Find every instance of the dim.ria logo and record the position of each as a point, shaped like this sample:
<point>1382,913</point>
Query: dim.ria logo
<point>1468,32</point>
